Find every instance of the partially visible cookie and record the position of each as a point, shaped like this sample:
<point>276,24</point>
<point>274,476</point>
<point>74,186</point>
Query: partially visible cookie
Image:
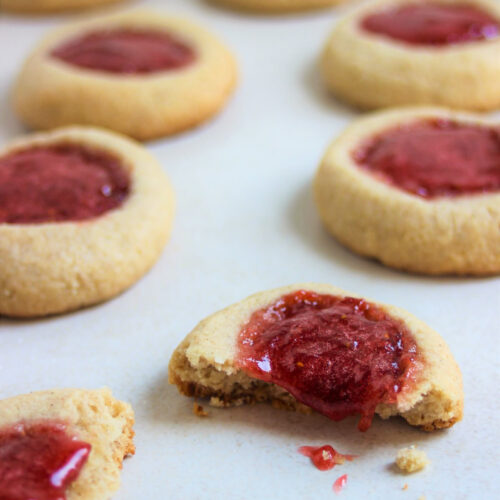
<point>42,6</point>
<point>401,52</point>
<point>416,188</point>
<point>84,213</point>
<point>315,346</point>
<point>70,432</point>
<point>278,5</point>
<point>140,73</point>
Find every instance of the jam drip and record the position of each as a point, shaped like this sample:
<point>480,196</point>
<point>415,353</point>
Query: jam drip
<point>38,461</point>
<point>339,483</point>
<point>59,183</point>
<point>435,158</point>
<point>325,457</point>
<point>126,51</point>
<point>339,355</point>
<point>433,24</point>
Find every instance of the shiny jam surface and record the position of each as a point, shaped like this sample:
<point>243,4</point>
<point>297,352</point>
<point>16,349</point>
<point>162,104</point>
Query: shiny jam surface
<point>59,183</point>
<point>324,457</point>
<point>435,158</point>
<point>38,461</point>
<point>126,51</point>
<point>339,483</point>
<point>428,23</point>
<point>339,355</point>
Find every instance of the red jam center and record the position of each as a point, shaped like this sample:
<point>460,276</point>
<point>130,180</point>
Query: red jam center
<point>128,51</point>
<point>339,355</point>
<point>435,158</point>
<point>339,484</point>
<point>433,24</point>
<point>38,461</point>
<point>325,457</point>
<point>59,183</point>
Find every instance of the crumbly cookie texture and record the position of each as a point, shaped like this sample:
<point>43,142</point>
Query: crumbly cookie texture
<point>41,6</point>
<point>51,93</point>
<point>411,459</point>
<point>278,5</point>
<point>370,71</point>
<point>457,235</point>
<point>93,416</point>
<point>203,365</point>
<point>56,267</point>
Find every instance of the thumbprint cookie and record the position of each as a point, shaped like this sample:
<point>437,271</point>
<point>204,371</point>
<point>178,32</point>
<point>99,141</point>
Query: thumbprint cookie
<point>311,346</point>
<point>403,52</point>
<point>42,6</point>
<point>64,444</point>
<point>141,73</point>
<point>84,214</point>
<point>417,189</point>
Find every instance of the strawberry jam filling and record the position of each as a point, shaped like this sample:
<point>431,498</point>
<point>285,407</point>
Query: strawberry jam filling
<point>39,461</point>
<point>126,51</point>
<point>325,457</point>
<point>435,158</point>
<point>339,355</point>
<point>428,23</point>
<point>59,183</point>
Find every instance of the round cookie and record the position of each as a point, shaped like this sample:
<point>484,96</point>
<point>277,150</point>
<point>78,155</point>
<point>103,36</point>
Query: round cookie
<point>141,73</point>
<point>418,189</point>
<point>278,5</point>
<point>84,213</point>
<point>212,361</point>
<point>41,6</point>
<point>89,429</point>
<point>395,52</point>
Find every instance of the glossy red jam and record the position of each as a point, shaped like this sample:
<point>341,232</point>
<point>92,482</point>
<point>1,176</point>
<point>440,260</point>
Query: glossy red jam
<point>38,461</point>
<point>339,483</point>
<point>428,23</point>
<point>339,355</point>
<point>324,457</point>
<point>59,183</point>
<point>435,158</point>
<point>126,51</point>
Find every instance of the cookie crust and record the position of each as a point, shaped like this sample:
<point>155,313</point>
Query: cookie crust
<point>456,235</point>
<point>51,93</point>
<point>203,365</point>
<point>93,416</point>
<point>43,6</point>
<point>271,6</point>
<point>56,267</point>
<point>371,71</point>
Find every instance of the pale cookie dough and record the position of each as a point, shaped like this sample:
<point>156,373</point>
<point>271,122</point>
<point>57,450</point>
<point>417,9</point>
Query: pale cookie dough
<point>50,92</point>
<point>204,365</point>
<point>373,71</point>
<point>93,416</point>
<point>448,235</point>
<point>55,267</point>
<point>278,5</point>
<point>42,6</point>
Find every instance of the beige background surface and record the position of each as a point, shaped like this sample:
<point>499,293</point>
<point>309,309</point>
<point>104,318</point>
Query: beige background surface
<point>246,222</point>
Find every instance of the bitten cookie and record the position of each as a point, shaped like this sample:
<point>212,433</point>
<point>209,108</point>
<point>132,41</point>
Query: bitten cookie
<point>315,346</point>
<point>418,189</point>
<point>84,214</point>
<point>141,73</point>
<point>278,5</point>
<point>41,6</point>
<point>64,443</point>
<point>402,52</point>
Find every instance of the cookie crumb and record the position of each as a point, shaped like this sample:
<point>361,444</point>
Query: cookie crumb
<point>199,411</point>
<point>405,487</point>
<point>411,459</point>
